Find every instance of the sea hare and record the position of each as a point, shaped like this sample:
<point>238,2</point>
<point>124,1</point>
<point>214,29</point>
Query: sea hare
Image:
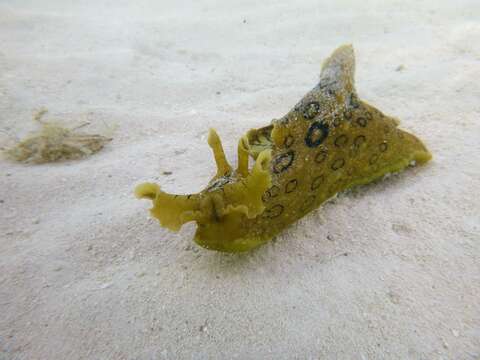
<point>329,142</point>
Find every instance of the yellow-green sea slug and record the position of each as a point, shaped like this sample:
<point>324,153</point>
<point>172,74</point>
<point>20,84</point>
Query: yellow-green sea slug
<point>329,142</point>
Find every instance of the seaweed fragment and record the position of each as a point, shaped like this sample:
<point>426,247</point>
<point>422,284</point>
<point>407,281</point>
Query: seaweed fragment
<point>53,143</point>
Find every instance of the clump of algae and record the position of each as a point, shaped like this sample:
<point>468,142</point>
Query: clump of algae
<point>54,142</point>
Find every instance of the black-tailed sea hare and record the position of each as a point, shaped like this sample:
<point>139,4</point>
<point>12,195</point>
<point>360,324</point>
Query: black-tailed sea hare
<point>329,142</point>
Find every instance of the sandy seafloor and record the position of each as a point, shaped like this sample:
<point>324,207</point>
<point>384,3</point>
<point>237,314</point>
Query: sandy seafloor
<point>390,271</point>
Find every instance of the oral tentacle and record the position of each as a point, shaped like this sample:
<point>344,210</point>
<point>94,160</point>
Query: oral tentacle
<point>223,167</point>
<point>172,211</point>
<point>242,168</point>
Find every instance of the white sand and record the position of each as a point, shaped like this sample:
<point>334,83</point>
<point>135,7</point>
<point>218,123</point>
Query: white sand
<point>389,271</point>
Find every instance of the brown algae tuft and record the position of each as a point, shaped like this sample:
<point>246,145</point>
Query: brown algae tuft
<point>53,143</point>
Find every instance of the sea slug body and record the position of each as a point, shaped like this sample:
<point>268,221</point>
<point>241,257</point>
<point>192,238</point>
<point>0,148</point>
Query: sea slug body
<point>329,142</point>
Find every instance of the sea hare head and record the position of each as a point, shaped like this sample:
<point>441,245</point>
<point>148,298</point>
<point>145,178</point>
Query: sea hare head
<point>222,209</point>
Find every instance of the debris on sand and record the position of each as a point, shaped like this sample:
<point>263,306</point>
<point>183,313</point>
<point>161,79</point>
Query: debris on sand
<point>54,142</point>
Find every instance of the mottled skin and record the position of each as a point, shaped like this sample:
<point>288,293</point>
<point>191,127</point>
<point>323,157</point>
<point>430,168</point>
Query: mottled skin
<point>329,142</point>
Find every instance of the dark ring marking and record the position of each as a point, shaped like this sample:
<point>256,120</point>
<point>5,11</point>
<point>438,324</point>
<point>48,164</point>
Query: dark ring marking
<point>317,182</point>
<point>361,121</point>
<point>310,110</point>
<point>368,115</point>
<point>342,140</point>
<point>337,121</point>
<point>271,193</point>
<point>321,156</point>
<point>291,186</point>
<point>274,211</point>
<point>309,201</point>
<point>283,161</point>
<point>338,164</point>
<point>373,159</point>
<point>383,146</point>
<point>359,140</point>
<point>347,115</point>
<point>317,132</point>
<point>288,141</point>
<point>357,144</point>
